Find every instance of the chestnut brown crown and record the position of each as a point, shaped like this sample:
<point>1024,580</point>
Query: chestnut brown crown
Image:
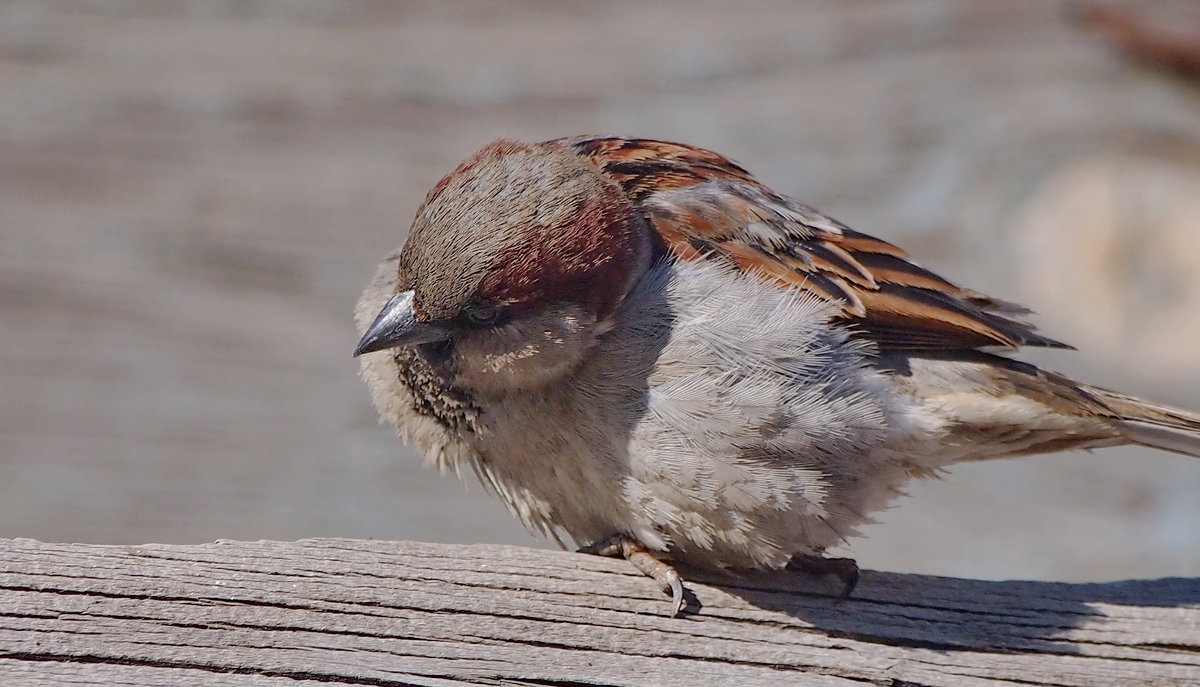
<point>518,226</point>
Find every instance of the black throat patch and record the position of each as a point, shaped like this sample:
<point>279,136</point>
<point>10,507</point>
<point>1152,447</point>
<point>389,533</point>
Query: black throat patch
<point>433,393</point>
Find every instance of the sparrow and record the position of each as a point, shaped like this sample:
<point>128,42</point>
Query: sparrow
<point>640,347</point>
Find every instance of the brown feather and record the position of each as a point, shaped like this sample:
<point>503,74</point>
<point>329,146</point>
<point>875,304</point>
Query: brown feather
<point>704,206</point>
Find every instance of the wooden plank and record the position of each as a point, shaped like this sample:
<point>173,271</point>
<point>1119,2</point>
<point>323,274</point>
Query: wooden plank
<point>404,613</point>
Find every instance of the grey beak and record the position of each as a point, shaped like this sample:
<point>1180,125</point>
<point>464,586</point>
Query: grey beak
<point>396,325</point>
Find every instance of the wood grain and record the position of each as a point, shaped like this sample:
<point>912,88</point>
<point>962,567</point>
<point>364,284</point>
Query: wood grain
<point>401,613</point>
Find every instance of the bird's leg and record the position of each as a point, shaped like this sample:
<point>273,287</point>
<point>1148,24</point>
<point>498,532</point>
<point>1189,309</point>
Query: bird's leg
<point>636,553</point>
<point>845,569</point>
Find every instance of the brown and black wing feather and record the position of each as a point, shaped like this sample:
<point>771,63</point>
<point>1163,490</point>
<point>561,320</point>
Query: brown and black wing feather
<point>704,206</point>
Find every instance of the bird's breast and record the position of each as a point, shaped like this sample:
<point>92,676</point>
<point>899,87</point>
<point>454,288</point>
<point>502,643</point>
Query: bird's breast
<point>723,419</point>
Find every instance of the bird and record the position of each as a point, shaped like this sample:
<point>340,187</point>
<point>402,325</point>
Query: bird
<point>644,350</point>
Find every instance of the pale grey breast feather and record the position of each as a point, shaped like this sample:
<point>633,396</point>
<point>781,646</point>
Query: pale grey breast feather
<point>744,357</point>
<point>750,380</point>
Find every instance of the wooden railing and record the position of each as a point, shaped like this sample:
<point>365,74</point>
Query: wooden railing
<point>401,613</point>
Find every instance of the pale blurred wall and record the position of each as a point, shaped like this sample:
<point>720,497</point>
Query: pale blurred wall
<point>193,193</point>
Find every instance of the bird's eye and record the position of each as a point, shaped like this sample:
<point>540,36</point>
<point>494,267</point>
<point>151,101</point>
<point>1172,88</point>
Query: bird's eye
<point>482,315</point>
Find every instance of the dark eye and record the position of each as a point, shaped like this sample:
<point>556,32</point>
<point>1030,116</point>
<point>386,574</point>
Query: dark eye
<point>484,315</point>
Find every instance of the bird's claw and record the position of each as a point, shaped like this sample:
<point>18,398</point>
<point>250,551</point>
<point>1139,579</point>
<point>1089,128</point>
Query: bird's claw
<point>609,548</point>
<point>640,557</point>
<point>845,569</point>
<point>673,585</point>
<point>662,573</point>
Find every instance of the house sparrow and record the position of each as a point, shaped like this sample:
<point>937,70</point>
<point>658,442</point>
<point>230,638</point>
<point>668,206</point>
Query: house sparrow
<point>639,346</point>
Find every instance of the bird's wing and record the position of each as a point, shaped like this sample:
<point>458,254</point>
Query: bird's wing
<point>705,207</point>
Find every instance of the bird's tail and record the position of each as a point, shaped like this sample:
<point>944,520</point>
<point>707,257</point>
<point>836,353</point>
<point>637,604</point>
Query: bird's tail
<point>1153,424</point>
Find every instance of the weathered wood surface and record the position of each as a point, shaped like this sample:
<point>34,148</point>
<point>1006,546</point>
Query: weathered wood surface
<point>401,613</point>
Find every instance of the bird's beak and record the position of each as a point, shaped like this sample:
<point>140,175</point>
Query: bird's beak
<point>397,325</point>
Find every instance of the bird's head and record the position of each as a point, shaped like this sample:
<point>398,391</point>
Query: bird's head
<point>514,265</point>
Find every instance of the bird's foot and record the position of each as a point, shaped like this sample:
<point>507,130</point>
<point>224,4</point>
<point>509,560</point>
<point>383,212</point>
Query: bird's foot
<point>845,569</point>
<point>632,550</point>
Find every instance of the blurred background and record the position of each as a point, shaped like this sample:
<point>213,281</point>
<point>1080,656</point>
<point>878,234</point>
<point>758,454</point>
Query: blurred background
<point>192,195</point>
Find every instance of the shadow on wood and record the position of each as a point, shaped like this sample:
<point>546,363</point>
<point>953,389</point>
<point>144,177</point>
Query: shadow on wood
<point>401,613</point>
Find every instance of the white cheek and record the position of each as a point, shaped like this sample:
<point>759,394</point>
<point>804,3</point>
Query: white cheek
<point>526,354</point>
<point>497,362</point>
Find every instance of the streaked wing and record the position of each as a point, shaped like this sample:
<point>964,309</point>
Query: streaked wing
<point>706,207</point>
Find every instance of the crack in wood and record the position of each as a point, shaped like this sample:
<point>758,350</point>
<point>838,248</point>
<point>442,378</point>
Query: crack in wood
<point>184,665</point>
